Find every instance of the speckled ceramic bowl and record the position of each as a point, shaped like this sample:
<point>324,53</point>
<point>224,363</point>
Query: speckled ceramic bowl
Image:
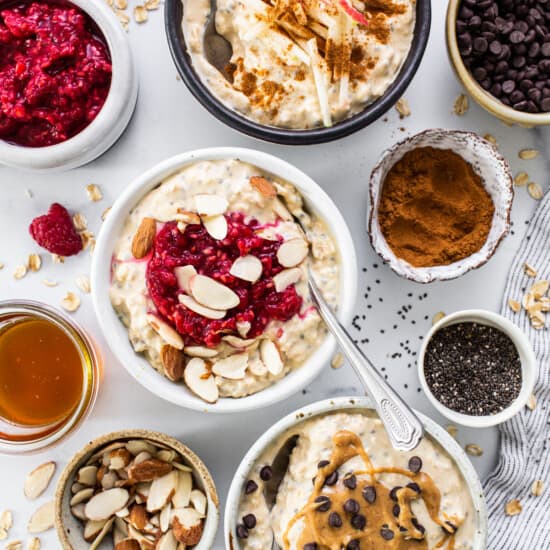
<point>350,404</point>
<point>497,179</point>
<point>70,529</point>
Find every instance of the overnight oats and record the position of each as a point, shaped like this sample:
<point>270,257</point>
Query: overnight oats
<point>302,63</point>
<point>364,494</point>
<point>209,275</point>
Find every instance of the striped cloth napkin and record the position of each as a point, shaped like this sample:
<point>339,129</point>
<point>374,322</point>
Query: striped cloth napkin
<point>525,439</point>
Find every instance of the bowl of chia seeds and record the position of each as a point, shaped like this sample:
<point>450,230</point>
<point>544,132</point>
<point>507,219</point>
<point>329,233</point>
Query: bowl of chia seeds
<point>477,368</point>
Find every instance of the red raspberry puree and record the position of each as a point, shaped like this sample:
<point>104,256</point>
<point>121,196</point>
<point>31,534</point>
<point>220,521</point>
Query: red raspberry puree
<point>55,72</point>
<point>260,303</point>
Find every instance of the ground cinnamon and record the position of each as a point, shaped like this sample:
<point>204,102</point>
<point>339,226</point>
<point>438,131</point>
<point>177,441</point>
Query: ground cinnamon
<point>434,209</point>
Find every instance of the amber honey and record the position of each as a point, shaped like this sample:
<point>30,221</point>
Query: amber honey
<point>41,372</point>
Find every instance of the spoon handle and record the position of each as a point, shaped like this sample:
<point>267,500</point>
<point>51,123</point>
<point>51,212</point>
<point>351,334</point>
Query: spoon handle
<point>403,426</point>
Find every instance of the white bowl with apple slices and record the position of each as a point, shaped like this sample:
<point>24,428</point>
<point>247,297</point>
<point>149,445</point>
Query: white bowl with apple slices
<point>116,334</point>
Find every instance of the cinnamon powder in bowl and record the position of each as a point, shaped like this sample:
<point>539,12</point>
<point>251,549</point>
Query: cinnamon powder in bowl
<point>440,204</point>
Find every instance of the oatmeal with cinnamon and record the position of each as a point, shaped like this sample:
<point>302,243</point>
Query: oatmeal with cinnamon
<point>209,275</point>
<point>302,63</point>
<point>364,493</point>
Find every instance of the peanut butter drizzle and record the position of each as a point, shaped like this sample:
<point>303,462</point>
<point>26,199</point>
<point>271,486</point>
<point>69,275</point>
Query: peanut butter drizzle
<point>380,515</point>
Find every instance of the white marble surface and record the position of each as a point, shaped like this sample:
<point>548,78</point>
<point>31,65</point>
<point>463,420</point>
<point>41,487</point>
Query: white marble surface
<point>167,121</point>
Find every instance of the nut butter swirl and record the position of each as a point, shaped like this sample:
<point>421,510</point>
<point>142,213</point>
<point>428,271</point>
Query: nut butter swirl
<point>360,510</point>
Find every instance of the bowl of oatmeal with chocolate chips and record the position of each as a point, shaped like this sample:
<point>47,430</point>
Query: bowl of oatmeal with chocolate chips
<point>200,278</point>
<point>298,71</point>
<point>327,478</point>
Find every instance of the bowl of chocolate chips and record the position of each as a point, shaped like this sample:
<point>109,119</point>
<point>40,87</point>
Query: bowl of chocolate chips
<point>500,50</point>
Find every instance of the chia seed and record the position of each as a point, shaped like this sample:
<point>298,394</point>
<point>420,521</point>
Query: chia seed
<point>473,369</point>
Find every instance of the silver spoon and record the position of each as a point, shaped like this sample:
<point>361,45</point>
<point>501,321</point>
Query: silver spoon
<point>402,425</point>
<point>217,50</point>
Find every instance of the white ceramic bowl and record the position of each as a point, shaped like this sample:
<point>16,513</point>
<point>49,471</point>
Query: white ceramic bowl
<point>115,332</point>
<point>352,404</point>
<point>110,122</point>
<point>70,529</point>
<point>497,179</point>
<point>526,354</point>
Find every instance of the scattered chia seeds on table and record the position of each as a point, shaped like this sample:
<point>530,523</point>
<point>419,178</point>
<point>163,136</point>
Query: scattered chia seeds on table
<point>473,369</point>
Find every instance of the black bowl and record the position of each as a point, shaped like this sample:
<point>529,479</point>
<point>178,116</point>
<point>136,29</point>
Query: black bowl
<point>173,14</point>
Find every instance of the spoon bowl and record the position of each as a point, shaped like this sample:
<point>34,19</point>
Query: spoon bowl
<point>217,50</point>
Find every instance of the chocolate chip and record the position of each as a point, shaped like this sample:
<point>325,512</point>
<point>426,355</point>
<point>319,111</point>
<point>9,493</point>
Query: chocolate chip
<point>351,506</point>
<point>353,545</point>
<point>266,473</point>
<point>415,464</point>
<point>480,44</point>
<point>396,510</point>
<point>311,546</point>
<point>393,492</point>
<point>386,534</point>
<point>242,531</point>
<point>334,520</point>
<point>508,86</point>
<point>350,482</point>
<point>323,463</point>
<point>358,521</point>
<point>332,478</point>
<point>414,486</point>
<point>324,505</point>
<point>516,37</point>
<point>495,47</point>
<point>369,494</point>
<point>545,104</point>
<point>250,487</point>
<point>250,521</point>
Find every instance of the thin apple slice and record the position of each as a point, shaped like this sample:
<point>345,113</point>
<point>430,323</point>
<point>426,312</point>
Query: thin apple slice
<point>200,351</point>
<point>271,356</point>
<point>199,309</point>
<point>216,226</point>
<point>107,503</point>
<point>292,252</point>
<point>198,500</point>
<point>211,294</point>
<point>286,278</point>
<point>38,480</point>
<point>183,490</point>
<point>162,490</point>
<point>210,205</point>
<point>232,367</point>
<point>165,331</point>
<point>183,273</point>
<point>248,268</point>
<point>200,380</point>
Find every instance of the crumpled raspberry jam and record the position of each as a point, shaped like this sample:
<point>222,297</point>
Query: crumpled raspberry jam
<point>260,303</point>
<point>55,72</point>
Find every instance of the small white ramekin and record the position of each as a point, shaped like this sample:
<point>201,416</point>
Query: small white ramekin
<point>353,405</point>
<point>526,354</point>
<point>116,333</point>
<point>497,179</point>
<point>111,120</point>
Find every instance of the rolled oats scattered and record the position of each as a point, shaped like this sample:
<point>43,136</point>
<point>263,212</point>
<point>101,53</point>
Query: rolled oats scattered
<point>34,262</point>
<point>20,271</point>
<point>34,544</point>
<point>514,305</point>
<point>1,265</point>
<point>473,449</point>
<point>71,302</point>
<point>437,317</point>
<point>461,105</point>
<point>528,154</point>
<point>6,520</point>
<point>47,282</point>
<point>3,534</point>
<point>535,190</point>
<point>530,271</point>
<point>537,488</point>
<point>57,259</point>
<point>337,361</point>
<point>121,4</point>
<point>140,14</point>
<point>452,430</point>
<point>14,545</point>
<point>513,507</point>
<point>105,213</point>
<point>80,222</point>
<point>83,283</point>
<point>521,178</point>
<point>88,240</point>
<point>123,18</point>
<point>532,402</point>
<point>152,5</point>
<point>491,139</point>
<point>94,192</point>
<point>402,107</point>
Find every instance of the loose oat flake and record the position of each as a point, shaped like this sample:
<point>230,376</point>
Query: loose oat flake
<point>530,271</point>
<point>461,105</point>
<point>152,5</point>
<point>513,507</point>
<point>20,271</point>
<point>140,14</point>
<point>105,213</point>
<point>34,544</point>
<point>473,449</point>
<point>83,283</point>
<point>491,139</point>
<point>521,178</point>
<point>537,487</point>
<point>532,402</point>
<point>71,302</point>
<point>47,282</point>
<point>3,534</point>
<point>80,222</point>
<point>402,107</point>
<point>6,520</point>
<point>452,430</point>
<point>528,154</point>
<point>515,306</point>
<point>535,190</point>
<point>14,545</point>
<point>57,259</point>
<point>94,192</point>
<point>337,361</point>
<point>121,4</point>
<point>437,317</point>
<point>34,262</point>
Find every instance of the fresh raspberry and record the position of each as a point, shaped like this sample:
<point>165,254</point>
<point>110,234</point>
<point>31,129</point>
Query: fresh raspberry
<point>56,232</point>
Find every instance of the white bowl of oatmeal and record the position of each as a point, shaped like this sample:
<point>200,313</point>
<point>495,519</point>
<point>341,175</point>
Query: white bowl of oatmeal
<point>300,72</point>
<point>199,279</point>
<point>345,485</point>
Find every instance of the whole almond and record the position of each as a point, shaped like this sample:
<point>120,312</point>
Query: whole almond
<point>148,470</point>
<point>144,237</point>
<point>172,361</point>
<point>266,188</point>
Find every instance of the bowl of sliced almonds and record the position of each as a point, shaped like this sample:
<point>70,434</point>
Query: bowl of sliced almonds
<point>136,490</point>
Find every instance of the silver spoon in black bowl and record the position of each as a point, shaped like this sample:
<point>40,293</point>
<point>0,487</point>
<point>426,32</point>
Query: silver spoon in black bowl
<point>217,49</point>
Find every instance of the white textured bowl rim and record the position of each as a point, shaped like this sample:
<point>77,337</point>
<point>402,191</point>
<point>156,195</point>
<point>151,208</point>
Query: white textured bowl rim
<point>528,366</point>
<point>456,269</point>
<point>116,334</point>
<point>351,403</point>
<point>111,120</point>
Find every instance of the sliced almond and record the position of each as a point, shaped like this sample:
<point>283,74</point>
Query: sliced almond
<point>142,457</point>
<point>281,210</point>
<point>271,356</point>
<point>168,455</point>
<point>148,470</point>
<point>256,366</point>
<point>144,238</point>
<point>216,226</point>
<point>105,504</point>
<point>212,294</point>
<point>109,480</point>
<point>128,544</point>
<point>165,516</point>
<point>119,535</point>
<point>87,476</point>
<point>292,252</point>
<point>165,331</point>
<point>162,490</point>
<point>119,458</point>
<point>82,496</point>
<point>232,367</point>
<point>76,487</point>
<point>200,381</point>
<point>200,351</point>
<point>102,534</point>
<point>183,273</point>
<point>138,517</point>
<point>124,513</point>
<point>182,467</point>
<point>167,542</point>
<point>144,542</point>
<point>38,480</point>
<point>243,327</point>
<point>265,187</point>
<point>248,268</point>
<point>78,511</point>
<point>198,500</point>
<point>199,309</point>
<point>238,343</point>
<point>136,446</point>
<point>93,528</point>
<point>473,449</point>
<point>172,361</point>
<point>187,526</point>
<point>187,217</point>
<point>210,205</point>
<point>42,519</point>
<point>286,278</point>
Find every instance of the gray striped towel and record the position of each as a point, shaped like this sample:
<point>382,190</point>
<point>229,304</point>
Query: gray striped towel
<point>525,449</point>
